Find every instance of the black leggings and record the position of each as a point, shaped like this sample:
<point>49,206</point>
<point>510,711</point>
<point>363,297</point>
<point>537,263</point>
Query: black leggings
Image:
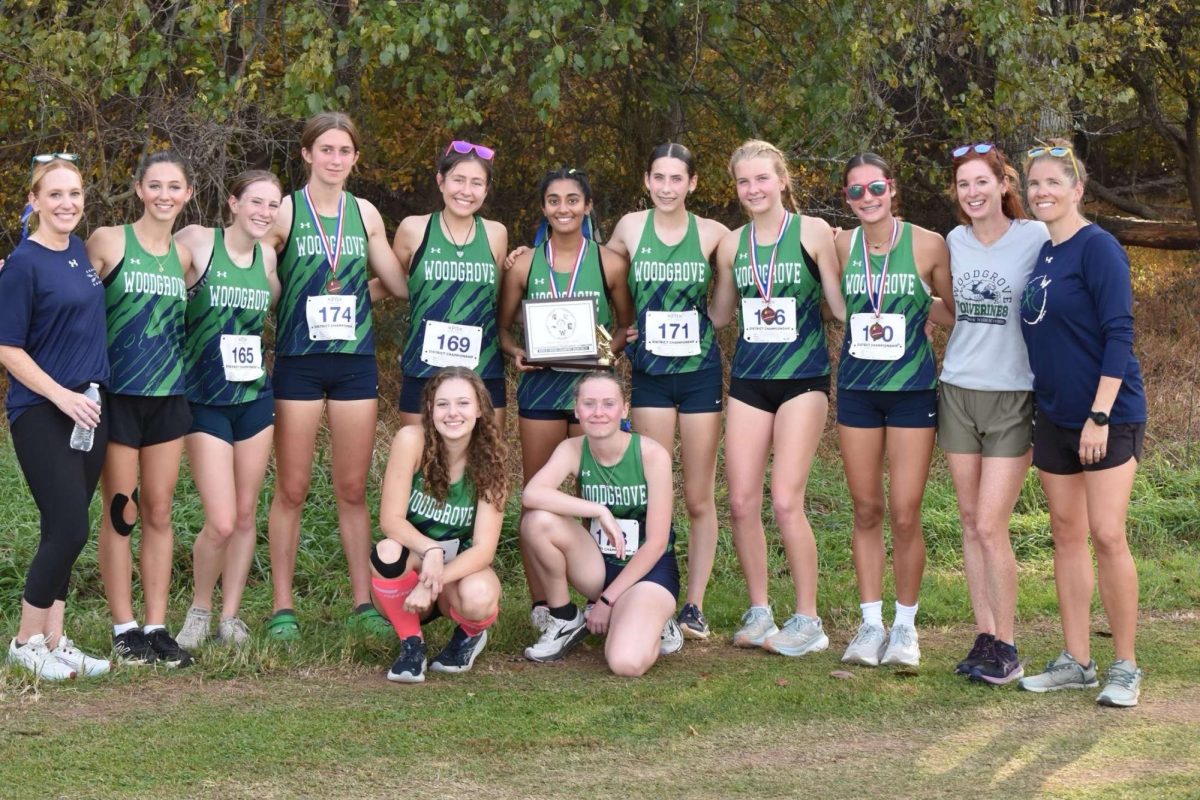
<point>62,482</point>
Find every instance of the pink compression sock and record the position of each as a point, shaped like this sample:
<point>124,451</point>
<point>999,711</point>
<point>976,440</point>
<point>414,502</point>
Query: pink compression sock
<point>391,593</point>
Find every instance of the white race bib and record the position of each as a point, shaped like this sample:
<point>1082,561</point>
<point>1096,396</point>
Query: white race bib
<point>629,527</point>
<point>673,333</point>
<point>780,329</point>
<point>242,357</point>
<point>332,316</point>
<point>450,345</point>
<point>450,547</point>
<point>877,338</point>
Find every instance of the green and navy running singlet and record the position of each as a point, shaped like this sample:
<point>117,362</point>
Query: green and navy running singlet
<point>452,296</point>
<point>451,523</point>
<point>304,274</point>
<point>226,313</point>
<point>549,389</point>
<point>669,284</point>
<point>621,488</point>
<point>906,296</point>
<point>788,342</point>
<point>146,299</point>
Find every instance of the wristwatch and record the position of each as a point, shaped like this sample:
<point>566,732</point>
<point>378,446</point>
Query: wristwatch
<point>1099,417</point>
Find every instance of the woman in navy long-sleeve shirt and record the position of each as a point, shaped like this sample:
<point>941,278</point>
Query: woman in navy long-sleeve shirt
<point>1077,315</point>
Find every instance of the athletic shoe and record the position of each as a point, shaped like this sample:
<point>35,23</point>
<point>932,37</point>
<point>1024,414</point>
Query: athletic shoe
<point>558,638</point>
<point>1122,685</point>
<point>168,650</point>
<point>1003,667</point>
<point>132,648</point>
<point>85,666</point>
<point>460,652</point>
<point>692,622</point>
<point>232,631</point>
<point>539,618</point>
<point>1063,672</point>
<point>409,666</point>
<point>902,649</point>
<point>867,646</point>
<point>197,628</point>
<point>758,625</point>
<point>35,657</point>
<point>671,639</point>
<point>978,654</point>
<point>798,636</point>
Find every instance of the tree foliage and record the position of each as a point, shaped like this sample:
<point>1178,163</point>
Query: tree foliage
<point>595,83</point>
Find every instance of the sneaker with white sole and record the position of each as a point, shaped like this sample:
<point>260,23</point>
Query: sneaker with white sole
<point>867,646</point>
<point>1063,672</point>
<point>798,636</point>
<point>85,666</point>
<point>197,628</point>
<point>409,666</point>
<point>1122,685</point>
<point>671,639</point>
<point>167,650</point>
<point>758,625</point>
<point>131,648</point>
<point>692,623</point>
<point>558,638</point>
<point>232,631</point>
<point>35,657</point>
<point>460,652</point>
<point>903,649</point>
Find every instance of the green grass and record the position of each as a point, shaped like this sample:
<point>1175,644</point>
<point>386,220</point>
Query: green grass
<point>317,717</point>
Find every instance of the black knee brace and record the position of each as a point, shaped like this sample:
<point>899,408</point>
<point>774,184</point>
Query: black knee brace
<point>386,570</point>
<point>117,512</point>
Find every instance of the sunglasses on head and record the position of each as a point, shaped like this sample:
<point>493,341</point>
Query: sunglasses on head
<point>856,191</point>
<point>1055,152</point>
<point>982,148</point>
<point>46,158</point>
<point>462,148</point>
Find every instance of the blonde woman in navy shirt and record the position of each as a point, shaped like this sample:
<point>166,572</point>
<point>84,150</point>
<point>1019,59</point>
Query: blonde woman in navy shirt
<point>1077,318</point>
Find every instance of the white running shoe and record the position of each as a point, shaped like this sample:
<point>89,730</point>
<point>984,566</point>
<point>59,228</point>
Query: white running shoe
<point>85,666</point>
<point>232,631</point>
<point>196,630</point>
<point>35,657</point>
<point>903,649</point>
<point>798,636</point>
<point>867,646</point>
<point>558,638</point>
<point>671,640</point>
<point>758,625</point>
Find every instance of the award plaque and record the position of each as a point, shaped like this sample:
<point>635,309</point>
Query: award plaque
<point>562,333</point>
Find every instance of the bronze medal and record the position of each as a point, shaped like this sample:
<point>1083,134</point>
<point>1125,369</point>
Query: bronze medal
<point>876,332</point>
<point>334,286</point>
<point>768,315</point>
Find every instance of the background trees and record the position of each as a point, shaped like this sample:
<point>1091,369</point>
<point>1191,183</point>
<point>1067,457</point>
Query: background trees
<point>598,83</point>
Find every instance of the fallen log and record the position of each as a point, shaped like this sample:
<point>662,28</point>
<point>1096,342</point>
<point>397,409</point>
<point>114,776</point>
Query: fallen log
<point>1145,233</point>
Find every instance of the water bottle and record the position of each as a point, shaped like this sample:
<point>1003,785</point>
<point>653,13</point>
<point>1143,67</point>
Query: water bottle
<point>81,437</point>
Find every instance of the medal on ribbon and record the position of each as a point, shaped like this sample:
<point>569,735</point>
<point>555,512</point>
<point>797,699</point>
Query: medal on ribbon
<point>766,283</point>
<point>875,296</point>
<point>549,252</point>
<point>332,253</point>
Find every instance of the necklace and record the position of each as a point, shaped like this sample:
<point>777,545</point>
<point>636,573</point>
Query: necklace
<point>458,248</point>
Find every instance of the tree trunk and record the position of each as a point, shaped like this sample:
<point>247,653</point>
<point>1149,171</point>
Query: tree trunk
<point>1158,235</point>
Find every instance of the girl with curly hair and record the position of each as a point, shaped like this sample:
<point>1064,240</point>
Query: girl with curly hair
<point>441,512</point>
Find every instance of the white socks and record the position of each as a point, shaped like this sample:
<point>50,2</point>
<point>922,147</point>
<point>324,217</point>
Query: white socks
<point>872,613</point>
<point>122,627</point>
<point>906,615</point>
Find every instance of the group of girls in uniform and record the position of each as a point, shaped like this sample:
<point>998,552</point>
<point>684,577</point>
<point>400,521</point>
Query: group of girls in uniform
<point>1040,311</point>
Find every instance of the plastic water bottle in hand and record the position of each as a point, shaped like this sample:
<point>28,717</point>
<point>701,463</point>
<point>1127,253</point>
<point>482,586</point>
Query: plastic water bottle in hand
<point>82,438</point>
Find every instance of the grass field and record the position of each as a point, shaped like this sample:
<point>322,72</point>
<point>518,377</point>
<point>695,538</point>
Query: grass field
<point>318,719</point>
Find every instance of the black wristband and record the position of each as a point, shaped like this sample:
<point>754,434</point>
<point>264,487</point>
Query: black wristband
<point>606,601</point>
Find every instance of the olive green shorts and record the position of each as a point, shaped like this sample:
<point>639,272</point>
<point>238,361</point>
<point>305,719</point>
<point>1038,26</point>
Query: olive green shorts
<point>992,424</point>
